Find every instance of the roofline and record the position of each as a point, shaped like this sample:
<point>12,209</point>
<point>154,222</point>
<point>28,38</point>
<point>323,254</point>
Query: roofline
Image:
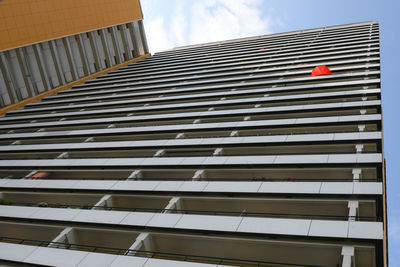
<point>270,35</point>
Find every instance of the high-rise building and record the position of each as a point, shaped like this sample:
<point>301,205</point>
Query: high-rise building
<point>227,153</point>
<point>54,44</point>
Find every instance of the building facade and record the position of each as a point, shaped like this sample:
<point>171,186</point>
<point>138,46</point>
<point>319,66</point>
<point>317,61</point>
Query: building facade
<point>46,44</point>
<point>226,153</point>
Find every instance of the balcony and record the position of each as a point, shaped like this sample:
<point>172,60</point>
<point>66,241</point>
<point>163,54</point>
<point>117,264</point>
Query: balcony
<point>216,249</point>
<point>83,201</point>
<point>281,207</point>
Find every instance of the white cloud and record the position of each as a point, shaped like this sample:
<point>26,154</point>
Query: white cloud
<point>202,21</point>
<point>221,20</point>
<point>157,36</point>
<point>179,26</point>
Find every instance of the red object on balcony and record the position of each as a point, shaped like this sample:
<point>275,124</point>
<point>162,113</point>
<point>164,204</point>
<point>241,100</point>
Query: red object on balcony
<point>39,175</point>
<point>321,70</point>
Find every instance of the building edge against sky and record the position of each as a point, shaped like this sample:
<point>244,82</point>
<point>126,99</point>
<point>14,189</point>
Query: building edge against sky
<point>246,154</point>
<point>48,44</point>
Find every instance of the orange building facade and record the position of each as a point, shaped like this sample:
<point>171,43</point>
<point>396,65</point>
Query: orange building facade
<point>45,44</point>
<point>32,21</point>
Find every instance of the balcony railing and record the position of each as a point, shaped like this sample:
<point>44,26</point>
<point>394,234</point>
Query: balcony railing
<point>251,179</point>
<point>153,254</point>
<point>204,212</point>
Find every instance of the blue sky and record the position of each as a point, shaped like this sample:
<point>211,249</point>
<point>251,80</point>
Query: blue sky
<point>175,23</point>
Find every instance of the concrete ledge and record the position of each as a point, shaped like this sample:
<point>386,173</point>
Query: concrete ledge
<point>237,224</point>
<point>346,188</point>
<point>64,257</point>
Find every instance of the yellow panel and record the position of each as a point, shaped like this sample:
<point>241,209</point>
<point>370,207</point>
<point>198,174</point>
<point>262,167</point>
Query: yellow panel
<point>24,22</point>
